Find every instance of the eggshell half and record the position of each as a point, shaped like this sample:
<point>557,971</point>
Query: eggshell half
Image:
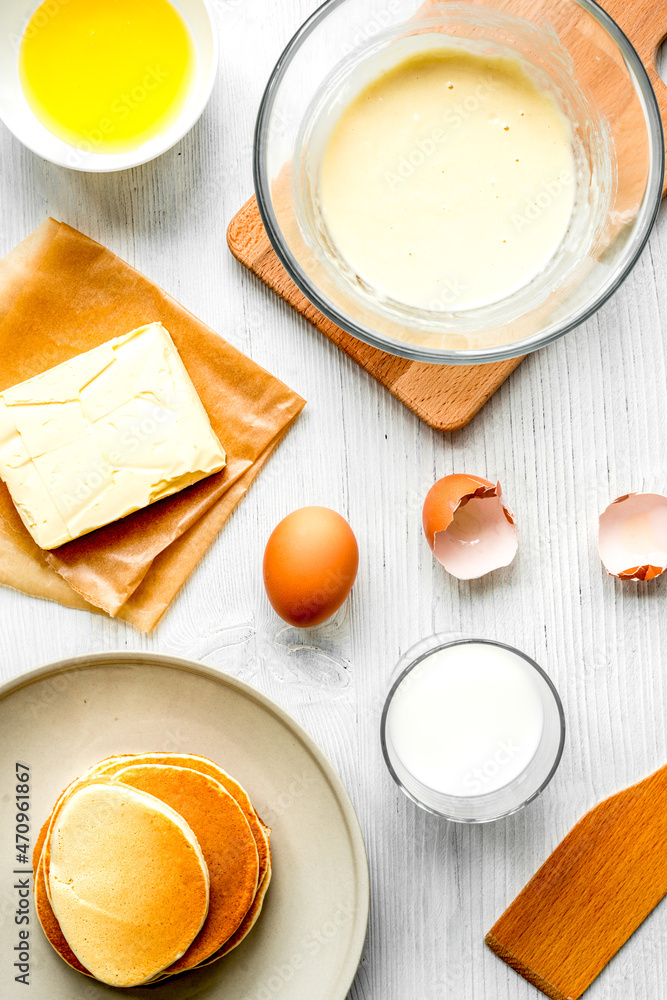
<point>468,526</point>
<point>310,564</point>
<point>633,536</point>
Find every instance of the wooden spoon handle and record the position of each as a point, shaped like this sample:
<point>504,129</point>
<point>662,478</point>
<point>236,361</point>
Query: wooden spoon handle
<point>591,894</point>
<point>645,24</point>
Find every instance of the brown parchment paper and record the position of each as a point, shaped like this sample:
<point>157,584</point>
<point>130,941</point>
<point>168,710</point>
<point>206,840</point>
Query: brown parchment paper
<point>33,576</point>
<point>61,294</point>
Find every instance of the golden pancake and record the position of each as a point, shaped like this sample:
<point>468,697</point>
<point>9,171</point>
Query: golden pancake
<point>246,926</point>
<point>204,766</point>
<point>45,832</point>
<point>226,841</point>
<point>50,925</point>
<point>237,937</point>
<point>128,881</point>
<point>107,767</point>
<point>43,908</point>
<point>259,830</point>
<point>111,765</point>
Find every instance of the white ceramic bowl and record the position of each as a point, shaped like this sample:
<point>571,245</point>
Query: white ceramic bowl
<point>19,118</point>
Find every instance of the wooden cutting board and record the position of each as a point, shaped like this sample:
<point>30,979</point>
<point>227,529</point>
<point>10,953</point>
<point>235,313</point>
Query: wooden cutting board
<point>594,891</point>
<point>444,396</point>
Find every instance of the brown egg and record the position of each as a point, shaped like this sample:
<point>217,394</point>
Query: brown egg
<point>310,564</point>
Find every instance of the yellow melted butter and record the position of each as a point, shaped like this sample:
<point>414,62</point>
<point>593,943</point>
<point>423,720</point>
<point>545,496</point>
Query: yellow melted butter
<point>106,75</point>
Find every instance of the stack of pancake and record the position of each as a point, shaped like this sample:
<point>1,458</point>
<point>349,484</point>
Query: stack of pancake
<point>150,865</point>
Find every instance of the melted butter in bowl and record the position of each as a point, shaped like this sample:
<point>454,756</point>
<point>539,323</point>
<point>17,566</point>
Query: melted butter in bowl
<point>449,181</point>
<point>107,76</point>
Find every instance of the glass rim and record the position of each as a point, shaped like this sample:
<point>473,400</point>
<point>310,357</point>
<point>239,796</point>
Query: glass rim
<point>646,215</point>
<point>440,642</point>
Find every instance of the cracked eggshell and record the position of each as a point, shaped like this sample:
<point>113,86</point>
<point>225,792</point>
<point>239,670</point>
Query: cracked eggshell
<point>632,536</point>
<point>468,527</point>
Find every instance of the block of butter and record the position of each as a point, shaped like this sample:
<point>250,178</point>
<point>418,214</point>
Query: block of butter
<point>102,435</point>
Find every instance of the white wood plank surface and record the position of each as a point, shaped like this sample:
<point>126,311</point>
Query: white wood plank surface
<point>577,425</point>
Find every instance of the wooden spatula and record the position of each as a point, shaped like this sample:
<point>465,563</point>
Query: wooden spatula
<point>593,892</point>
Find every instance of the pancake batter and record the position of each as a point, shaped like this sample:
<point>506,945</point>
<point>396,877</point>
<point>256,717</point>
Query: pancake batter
<point>448,183</point>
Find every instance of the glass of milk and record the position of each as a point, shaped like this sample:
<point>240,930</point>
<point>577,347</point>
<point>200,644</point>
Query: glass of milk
<point>472,729</point>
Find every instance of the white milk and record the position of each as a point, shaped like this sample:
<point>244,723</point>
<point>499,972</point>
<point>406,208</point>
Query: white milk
<point>449,182</point>
<point>468,719</point>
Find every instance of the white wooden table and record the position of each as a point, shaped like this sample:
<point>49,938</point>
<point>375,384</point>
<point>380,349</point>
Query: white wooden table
<point>577,425</point>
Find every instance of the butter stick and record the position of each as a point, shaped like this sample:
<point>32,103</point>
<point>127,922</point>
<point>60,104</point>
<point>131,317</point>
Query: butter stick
<point>102,435</point>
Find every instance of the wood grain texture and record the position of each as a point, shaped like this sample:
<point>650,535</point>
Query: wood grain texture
<point>578,424</point>
<point>446,397</point>
<point>645,24</point>
<point>598,886</point>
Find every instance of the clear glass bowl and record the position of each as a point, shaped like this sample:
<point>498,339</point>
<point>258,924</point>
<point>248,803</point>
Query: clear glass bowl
<point>516,793</point>
<point>573,49</point>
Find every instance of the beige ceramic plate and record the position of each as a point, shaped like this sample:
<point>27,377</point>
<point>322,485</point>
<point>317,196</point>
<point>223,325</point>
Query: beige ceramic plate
<point>64,717</point>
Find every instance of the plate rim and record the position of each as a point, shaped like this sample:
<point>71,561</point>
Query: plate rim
<point>83,661</point>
